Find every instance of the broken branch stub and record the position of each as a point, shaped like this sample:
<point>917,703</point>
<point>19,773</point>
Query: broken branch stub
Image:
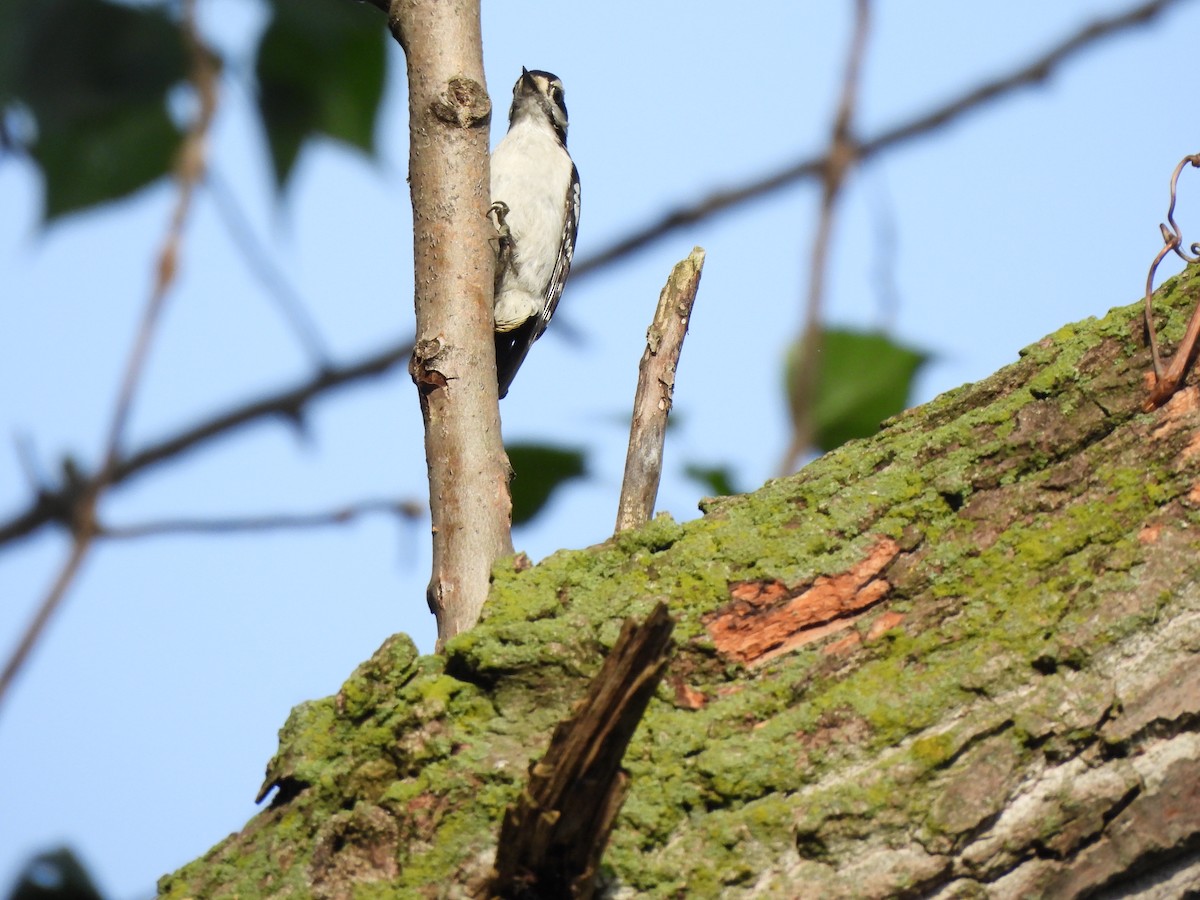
<point>655,391</point>
<point>552,838</point>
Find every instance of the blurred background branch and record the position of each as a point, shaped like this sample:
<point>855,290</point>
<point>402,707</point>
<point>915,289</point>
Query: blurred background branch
<point>840,160</point>
<point>56,504</point>
<point>1034,72</point>
<point>405,510</point>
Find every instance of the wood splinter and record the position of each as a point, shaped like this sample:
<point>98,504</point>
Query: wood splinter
<point>553,837</point>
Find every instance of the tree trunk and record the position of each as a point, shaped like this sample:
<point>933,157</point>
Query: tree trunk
<point>958,659</point>
<point>454,361</point>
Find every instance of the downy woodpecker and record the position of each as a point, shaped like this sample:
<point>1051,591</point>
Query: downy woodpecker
<point>535,201</point>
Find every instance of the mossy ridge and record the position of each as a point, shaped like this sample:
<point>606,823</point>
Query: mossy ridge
<point>457,733</point>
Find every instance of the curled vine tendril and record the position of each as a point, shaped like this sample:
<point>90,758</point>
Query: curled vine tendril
<point>1168,381</point>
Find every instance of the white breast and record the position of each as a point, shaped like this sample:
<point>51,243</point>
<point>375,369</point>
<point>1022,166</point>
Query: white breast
<point>531,173</point>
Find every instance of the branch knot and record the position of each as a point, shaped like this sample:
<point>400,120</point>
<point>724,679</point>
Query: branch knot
<point>424,374</point>
<point>464,104</point>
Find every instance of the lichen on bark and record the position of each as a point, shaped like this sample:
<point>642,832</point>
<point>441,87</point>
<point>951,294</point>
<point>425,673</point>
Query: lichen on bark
<point>1016,715</point>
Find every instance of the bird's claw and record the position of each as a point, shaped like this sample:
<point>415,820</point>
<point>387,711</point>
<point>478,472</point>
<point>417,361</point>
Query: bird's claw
<point>498,213</point>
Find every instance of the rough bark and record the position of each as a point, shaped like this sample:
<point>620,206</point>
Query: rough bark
<point>956,660</point>
<point>454,363</point>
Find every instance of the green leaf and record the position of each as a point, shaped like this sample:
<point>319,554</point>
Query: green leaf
<point>104,160</point>
<point>94,76</point>
<point>538,471</point>
<point>15,31</point>
<point>862,379</point>
<point>321,70</point>
<point>717,480</point>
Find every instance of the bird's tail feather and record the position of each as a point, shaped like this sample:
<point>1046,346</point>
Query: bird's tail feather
<point>511,349</point>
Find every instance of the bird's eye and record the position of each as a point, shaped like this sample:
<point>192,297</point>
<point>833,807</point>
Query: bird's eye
<point>556,94</point>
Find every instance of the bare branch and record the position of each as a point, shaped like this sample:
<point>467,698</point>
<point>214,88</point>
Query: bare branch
<point>289,404</point>
<point>46,609</point>
<point>842,156</point>
<point>1034,72</point>
<point>409,510</point>
<point>57,505</point>
<point>454,359</point>
<point>655,388</point>
<point>189,172</point>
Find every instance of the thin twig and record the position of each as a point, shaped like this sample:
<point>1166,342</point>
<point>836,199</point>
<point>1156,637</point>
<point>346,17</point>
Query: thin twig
<point>842,156</point>
<point>404,509</point>
<point>189,171</point>
<point>1036,71</point>
<point>290,404</point>
<point>46,609</point>
<point>1148,307</point>
<point>287,299</point>
<point>656,385</point>
<point>885,244</point>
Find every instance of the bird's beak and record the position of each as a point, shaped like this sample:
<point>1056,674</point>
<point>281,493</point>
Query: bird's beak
<point>526,78</point>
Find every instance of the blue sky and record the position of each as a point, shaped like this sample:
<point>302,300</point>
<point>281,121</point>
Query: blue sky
<point>139,731</point>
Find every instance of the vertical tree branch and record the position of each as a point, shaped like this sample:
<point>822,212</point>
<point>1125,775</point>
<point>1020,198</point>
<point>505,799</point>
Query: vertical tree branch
<point>454,364</point>
<point>656,386</point>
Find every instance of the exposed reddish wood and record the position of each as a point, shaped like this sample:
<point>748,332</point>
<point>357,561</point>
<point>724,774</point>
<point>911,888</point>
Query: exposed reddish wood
<point>1177,413</point>
<point>843,645</point>
<point>767,618</point>
<point>886,622</point>
<point>687,697</point>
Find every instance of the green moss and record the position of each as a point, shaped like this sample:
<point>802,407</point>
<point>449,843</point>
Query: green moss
<point>1017,502</point>
<point>389,668</point>
<point>933,750</point>
<point>656,536</point>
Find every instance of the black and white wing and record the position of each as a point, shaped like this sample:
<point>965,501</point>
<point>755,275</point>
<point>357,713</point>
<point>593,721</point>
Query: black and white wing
<point>513,346</point>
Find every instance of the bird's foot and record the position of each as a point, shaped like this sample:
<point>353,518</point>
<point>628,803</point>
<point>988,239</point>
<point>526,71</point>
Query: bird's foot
<point>498,213</point>
<point>503,242</point>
